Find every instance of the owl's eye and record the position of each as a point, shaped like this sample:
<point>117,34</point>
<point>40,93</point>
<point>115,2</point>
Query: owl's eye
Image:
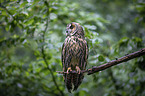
<point>71,27</point>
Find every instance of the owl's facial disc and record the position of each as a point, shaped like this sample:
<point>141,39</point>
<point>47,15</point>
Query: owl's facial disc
<point>68,32</point>
<point>71,29</point>
<point>74,29</point>
<point>71,26</point>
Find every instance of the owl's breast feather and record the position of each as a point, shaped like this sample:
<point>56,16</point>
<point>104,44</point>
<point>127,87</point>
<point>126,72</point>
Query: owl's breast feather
<point>74,45</point>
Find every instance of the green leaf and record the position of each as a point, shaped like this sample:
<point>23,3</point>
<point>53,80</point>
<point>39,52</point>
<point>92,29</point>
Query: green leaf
<point>4,13</point>
<point>101,58</point>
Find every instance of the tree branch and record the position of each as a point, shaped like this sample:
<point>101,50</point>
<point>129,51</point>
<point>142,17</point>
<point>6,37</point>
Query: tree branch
<point>111,63</point>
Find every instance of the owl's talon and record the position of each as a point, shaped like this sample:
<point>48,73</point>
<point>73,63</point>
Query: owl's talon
<point>78,69</point>
<point>68,70</point>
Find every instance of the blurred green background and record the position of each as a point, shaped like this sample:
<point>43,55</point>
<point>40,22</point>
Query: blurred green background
<point>33,31</point>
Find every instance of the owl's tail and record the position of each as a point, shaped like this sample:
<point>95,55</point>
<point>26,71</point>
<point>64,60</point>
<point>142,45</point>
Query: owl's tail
<point>68,82</point>
<point>77,80</point>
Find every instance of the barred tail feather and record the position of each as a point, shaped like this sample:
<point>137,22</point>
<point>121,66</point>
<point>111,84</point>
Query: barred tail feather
<point>77,80</point>
<point>68,82</point>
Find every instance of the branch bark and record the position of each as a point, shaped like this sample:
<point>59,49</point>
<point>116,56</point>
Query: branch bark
<point>111,63</point>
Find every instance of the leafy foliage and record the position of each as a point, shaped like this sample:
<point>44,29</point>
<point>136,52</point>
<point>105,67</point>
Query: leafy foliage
<point>32,33</point>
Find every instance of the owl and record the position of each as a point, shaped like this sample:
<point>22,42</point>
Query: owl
<point>74,56</point>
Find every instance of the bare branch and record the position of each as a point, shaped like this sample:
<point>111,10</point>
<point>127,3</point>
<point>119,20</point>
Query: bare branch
<point>111,63</point>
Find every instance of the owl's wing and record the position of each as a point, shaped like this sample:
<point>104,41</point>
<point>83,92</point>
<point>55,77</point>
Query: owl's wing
<point>83,54</point>
<point>67,77</point>
<point>87,53</point>
<point>63,56</point>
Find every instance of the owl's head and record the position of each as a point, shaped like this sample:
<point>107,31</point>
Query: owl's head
<point>74,29</point>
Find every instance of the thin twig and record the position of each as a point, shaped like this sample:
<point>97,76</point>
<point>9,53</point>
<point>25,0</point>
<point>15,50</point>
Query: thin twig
<point>44,57</point>
<point>111,63</point>
<point>7,11</point>
<point>53,77</point>
<point>42,48</point>
<point>13,17</point>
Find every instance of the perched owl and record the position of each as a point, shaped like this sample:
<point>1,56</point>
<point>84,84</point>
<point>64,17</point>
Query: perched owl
<point>74,55</point>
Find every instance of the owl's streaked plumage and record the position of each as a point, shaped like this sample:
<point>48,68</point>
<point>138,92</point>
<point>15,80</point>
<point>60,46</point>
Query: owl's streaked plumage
<point>74,55</point>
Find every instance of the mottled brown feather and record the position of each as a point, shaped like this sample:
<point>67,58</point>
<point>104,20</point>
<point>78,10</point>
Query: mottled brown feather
<point>74,53</point>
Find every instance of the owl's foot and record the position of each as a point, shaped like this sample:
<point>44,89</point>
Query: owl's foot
<point>68,70</point>
<point>78,69</point>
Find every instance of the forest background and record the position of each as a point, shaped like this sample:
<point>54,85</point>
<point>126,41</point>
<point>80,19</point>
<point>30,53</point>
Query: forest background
<point>33,31</point>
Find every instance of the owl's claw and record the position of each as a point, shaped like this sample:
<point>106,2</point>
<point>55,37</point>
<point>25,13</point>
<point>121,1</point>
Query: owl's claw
<point>78,69</point>
<point>69,69</point>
